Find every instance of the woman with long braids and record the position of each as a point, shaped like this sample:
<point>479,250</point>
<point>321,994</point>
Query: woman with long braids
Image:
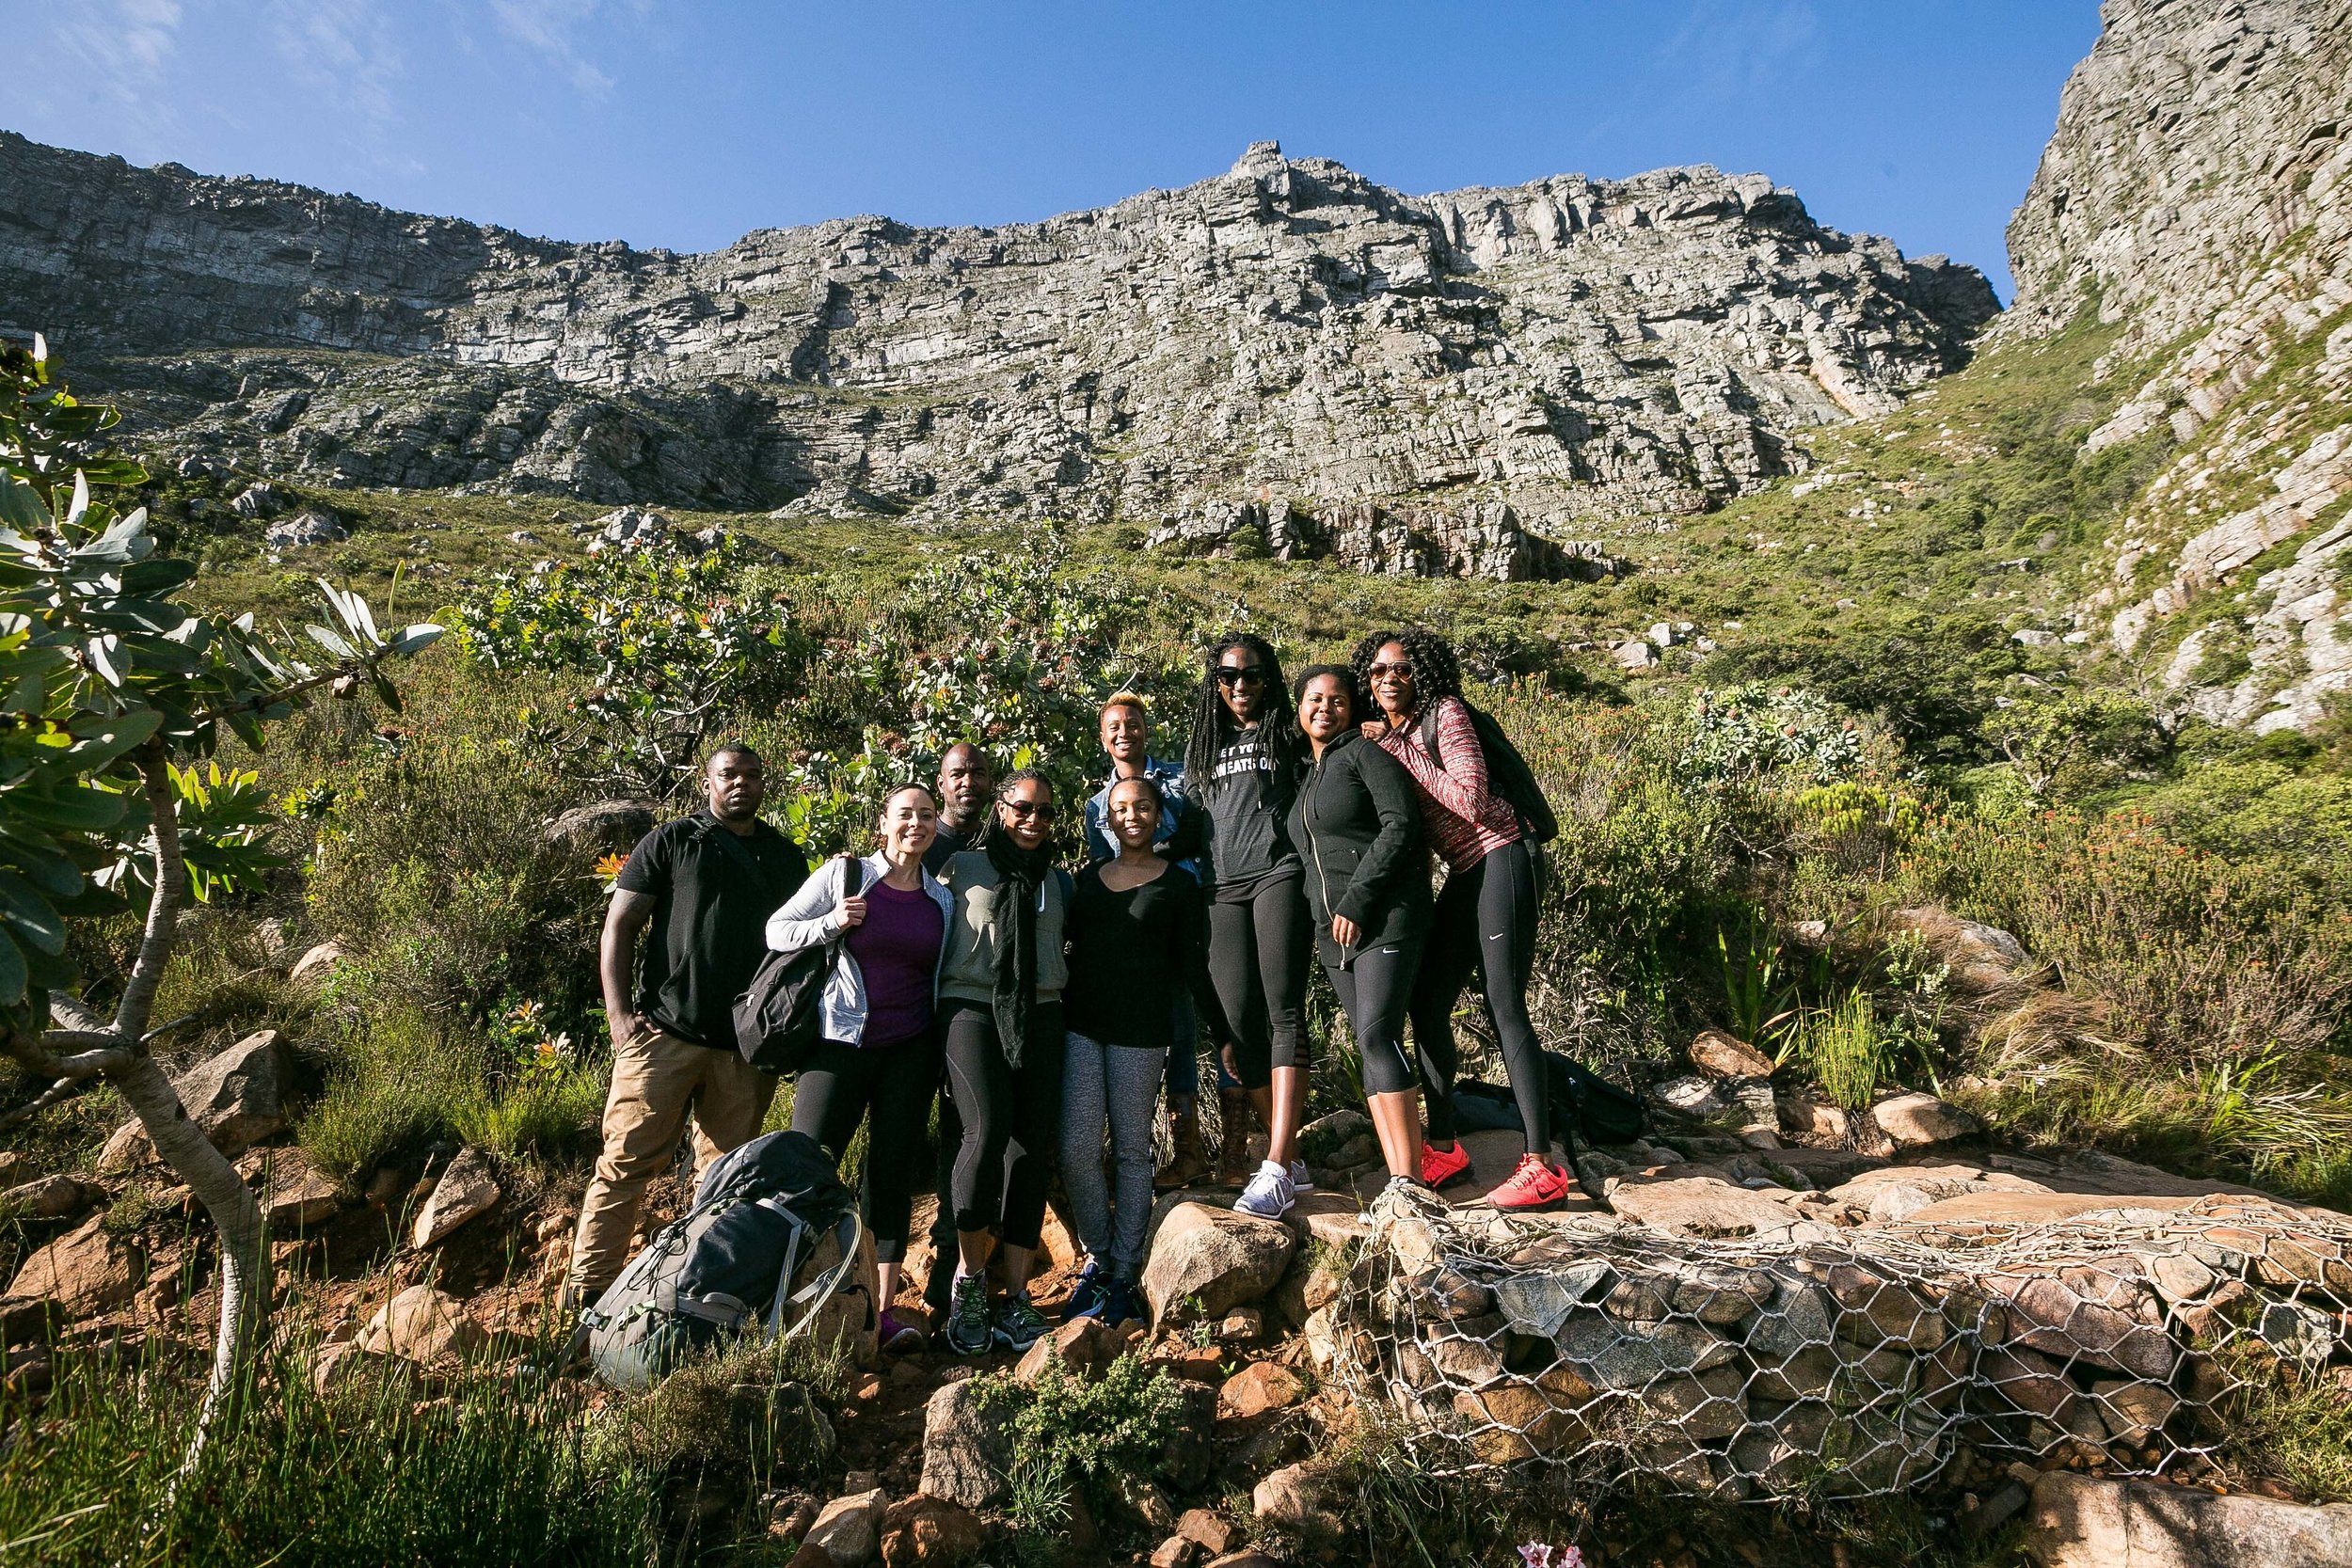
<point>1368,883</point>
<point>1001,1009</point>
<point>879,1059</point>
<point>1242,767</point>
<point>1485,918</point>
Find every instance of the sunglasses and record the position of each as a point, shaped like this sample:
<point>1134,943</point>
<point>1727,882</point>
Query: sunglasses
<point>1400,670</point>
<point>1240,674</point>
<point>1042,810</point>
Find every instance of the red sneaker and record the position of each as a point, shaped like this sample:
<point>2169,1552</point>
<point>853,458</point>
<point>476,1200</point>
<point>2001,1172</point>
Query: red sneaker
<point>1532,1188</point>
<point>1442,1167</point>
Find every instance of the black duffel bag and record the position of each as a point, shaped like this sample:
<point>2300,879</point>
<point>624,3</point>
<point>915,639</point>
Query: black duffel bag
<point>780,1018</point>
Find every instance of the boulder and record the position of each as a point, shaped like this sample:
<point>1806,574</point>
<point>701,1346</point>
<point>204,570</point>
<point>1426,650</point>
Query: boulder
<point>1918,1121</point>
<point>1981,957</point>
<point>15,1169</point>
<point>306,528</point>
<point>422,1325</point>
<point>241,1094</point>
<point>294,1194</point>
<point>850,1527</point>
<point>1699,1098</point>
<point>924,1529</point>
<point>966,1452</point>
<point>320,961</point>
<point>28,1320</point>
<point>50,1197</point>
<point>2079,1521</point>
<point>1177,1551</point>
<point>1721,1055</point>
<point>1700,1206</point>
<point>1257,1389</point>
<point>1295,1498</point>
<point>601,827</point>
<point>1216,1534</point>
<point>467,1187</point>
<point>1212,1261</point>
<point>1080,1347</point>
<point>127,1148</point>
<point>84,1271</point>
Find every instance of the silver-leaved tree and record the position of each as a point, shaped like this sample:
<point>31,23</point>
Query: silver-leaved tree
<point>111,691</point>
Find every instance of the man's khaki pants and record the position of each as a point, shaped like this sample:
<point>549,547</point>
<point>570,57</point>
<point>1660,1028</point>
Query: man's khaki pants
<point>656,1078</point>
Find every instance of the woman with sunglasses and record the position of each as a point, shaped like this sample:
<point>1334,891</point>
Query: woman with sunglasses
<point>1242,766</point>
<point>1001,1009</point>
<point>879,1059</point>
<point>1368,883</point>
<point>1485,919</point>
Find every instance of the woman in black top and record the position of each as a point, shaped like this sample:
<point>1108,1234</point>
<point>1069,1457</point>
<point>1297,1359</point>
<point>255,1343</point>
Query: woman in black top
<point>1368,882</point>
<point>1242,765</point>
<point>1135,945</point>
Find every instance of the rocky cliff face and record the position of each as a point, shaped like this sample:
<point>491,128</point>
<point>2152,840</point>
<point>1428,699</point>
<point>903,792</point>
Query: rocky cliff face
<point>2197,190</point>
<point>1287,334</point>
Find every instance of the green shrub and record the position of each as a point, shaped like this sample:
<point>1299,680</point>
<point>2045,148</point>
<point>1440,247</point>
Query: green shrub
<point>397,1081</point>
<point>1846,1050</point>
<point>1071,1432</point>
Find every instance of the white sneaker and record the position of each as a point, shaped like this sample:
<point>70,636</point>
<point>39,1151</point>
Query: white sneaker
<point>1269,1193</point>
<point>1301,1181</point>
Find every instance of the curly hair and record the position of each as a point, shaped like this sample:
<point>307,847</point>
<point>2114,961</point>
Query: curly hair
<point>1212,725</point>
<point>1436,673</point>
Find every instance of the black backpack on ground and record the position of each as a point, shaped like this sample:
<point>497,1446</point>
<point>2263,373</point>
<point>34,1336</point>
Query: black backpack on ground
<point>780,1017</point>
<point>1583,1106</point>
<point>764,1217</point>
<point>1507,773</point>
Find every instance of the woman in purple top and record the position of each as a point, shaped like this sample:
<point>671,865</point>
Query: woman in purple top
<point>879,1058</point>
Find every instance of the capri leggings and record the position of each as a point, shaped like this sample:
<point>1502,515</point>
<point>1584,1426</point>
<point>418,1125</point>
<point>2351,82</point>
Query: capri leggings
<point>1257,962</point>
<point>839,1088</point>
<point>1485,920</point>
<point>1012,1120</point>
<point>1373,992</point>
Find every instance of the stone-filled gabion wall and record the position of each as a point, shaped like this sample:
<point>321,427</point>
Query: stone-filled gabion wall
<point>1744,1369</point>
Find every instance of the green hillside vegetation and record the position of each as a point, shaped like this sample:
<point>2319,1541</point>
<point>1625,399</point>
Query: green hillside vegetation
<point>1864,735</point>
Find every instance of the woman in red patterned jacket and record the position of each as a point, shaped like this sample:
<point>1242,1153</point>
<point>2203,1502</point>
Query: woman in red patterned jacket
<point>1485,917</point>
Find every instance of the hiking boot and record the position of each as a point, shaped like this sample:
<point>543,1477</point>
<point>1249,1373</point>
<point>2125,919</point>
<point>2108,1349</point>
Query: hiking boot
<point>1532,1188</point>
<point>1443,1168</point>
<point>1019,1324</point>
<point>1232,1160</point>
<point>1122,1303</point>
<point>898,1336</point>
<point>1189,1161</point>
<point>968,1331</point>
<point>1269,1194</point>
<point>1086,1296</point>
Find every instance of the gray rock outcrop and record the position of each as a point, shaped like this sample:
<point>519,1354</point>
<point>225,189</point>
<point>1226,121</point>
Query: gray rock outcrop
<point>1453,367</point>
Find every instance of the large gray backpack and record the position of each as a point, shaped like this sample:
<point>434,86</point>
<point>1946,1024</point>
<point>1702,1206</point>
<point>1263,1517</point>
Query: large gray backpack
<point>773,1244</point>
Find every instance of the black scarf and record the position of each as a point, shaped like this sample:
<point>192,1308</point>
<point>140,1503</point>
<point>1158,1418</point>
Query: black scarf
<point>1020,873</point>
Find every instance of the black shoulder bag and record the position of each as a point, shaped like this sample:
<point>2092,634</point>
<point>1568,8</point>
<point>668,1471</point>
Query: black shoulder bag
<point>780,1018</point>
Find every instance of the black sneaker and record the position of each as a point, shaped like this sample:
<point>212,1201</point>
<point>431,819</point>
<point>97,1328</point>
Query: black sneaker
<point>967,1318</point>
<point>1122,1304</point>
<point>1085,1297</point>
<point>1019,1325</point>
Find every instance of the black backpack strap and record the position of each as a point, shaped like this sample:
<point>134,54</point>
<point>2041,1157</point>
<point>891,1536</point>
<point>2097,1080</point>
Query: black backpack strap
<point>732,845</point>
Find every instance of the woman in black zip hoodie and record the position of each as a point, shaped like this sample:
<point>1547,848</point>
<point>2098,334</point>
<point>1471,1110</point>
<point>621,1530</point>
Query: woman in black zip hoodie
<point>1358,825</point>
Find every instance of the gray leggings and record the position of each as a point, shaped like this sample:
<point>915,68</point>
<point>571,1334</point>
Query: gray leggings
<point>1121,1083</point>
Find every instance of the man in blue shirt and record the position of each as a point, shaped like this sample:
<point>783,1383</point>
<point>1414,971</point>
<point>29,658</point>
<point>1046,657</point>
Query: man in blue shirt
<point>1126,733</point>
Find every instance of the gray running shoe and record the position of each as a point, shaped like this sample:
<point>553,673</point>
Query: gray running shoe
<point>967,1318</point>
<point>1019,1325</point>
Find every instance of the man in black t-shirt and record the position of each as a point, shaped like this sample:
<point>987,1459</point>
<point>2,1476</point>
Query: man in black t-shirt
<point>705,885</point>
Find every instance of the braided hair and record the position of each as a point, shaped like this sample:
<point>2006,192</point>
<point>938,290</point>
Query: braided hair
<point>1212,725</point>
<point>993,826</point>
<point>1436,673</point>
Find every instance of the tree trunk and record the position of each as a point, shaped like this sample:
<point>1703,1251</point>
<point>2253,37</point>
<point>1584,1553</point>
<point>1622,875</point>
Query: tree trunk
<point>245,1266</point>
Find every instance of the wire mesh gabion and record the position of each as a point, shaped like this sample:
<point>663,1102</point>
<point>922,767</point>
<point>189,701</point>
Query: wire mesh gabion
<point>1824,1362</point>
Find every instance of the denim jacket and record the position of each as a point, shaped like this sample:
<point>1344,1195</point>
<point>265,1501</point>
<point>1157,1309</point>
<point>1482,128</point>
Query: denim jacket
<point>1170,776</point>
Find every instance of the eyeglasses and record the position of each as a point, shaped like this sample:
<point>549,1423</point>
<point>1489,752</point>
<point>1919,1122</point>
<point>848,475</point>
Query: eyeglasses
<point>1042,810</point>
<point>1240,674</point>
<point>1401,669</point>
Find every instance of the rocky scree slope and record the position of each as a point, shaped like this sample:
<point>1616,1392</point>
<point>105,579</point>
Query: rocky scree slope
<point>2196,191</point>
<point>1288,334</point>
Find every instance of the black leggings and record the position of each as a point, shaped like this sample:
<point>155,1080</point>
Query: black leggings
<point>839,1088</point>
<point>1372,992</point>
<point>1012,1120</point>
<point>1485,920</point>
<point>1257,962</point>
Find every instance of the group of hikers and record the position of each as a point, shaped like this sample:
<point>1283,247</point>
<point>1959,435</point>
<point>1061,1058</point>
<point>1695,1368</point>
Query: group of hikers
<point>1055,1008</point>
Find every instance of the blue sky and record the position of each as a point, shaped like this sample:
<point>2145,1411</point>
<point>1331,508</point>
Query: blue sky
<point>665,122</point>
